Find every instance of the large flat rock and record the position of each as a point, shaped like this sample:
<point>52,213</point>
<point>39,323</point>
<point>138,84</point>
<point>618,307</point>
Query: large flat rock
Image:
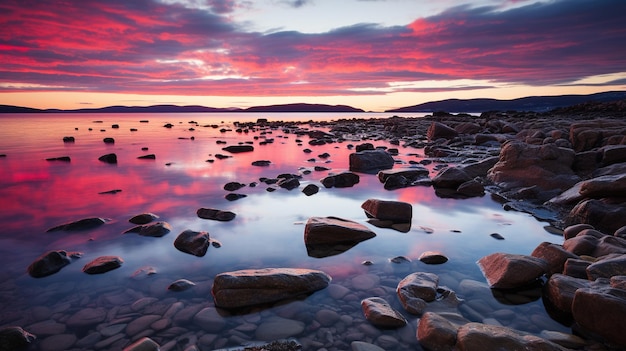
<point>260,286</point>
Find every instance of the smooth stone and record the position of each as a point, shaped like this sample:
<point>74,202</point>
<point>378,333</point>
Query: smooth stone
<point>15,338</point>
<point>276,328</point>
<point>601,310</point>
<point>113,329</point>
<point>433,257</point>
<point>215,214</point>
<point>143,344</point>
<point>81,224</point>
<point>560,290</point>
<point>508,271</point>
<point>477,336</point>
<point>140,324</point>
<point>181,285</point>
<point>555,255</point>
<point>607,267</point>
<point>192,242</point>
<point>365,281</point>
<point>344,179</point>
<point>378,312</point>
<point>370,161</point>
<point>238,148</point>
<point>47,327</point>
<point>395,211</point>
<point>59,342</point>
<point>143,218</point>
<point>103,264</point>
<point>437,331</point>
<point>337,291</point>
<point>48,263</point>
<point>323,230</point>
<point>87,317</point>
<point>108,158</point>
<point>327,317</point>
<point>147,157</point>
<point>259,286</point>
<point>156,229</point>
<point>420,285</point>
<point>566,340</point>
<point>364,346</point>
<point>209,320</point>
<point>310,189</point>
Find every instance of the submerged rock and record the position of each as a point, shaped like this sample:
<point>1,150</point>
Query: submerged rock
<point>238,148</point>
<point>15,339</point>
<point>181,285</point>
<point>260,286</point>
<point>341,180</point>
<point>477,336</point>
<point>82,224</point>
<point>103,264</point>
<point>416,289</point>
<point>108,158</point>
<point>378,312</point>
<point>156,229</point>
<point>143,218</point>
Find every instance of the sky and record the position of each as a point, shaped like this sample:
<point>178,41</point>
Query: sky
<point>370,54</point>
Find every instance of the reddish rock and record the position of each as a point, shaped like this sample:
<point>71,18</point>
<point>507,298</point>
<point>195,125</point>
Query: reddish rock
<point>602,311</point>
<point>437,331</point>
<point>439,130</point>
<point>395,211</point>
<point>378,312</point>
<point>103,264</point>
<point>555,255</point>
<point>508,271</point>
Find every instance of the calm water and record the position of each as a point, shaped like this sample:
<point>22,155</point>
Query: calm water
<point>36,194</point>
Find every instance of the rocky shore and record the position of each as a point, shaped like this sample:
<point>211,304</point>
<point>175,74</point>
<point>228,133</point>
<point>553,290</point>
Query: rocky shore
<point>567,167</point>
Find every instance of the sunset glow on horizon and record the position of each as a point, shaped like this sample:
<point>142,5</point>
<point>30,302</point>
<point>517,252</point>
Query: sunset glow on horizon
<point>375,55</point>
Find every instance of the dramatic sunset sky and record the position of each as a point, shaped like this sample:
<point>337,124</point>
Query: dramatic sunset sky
<point>371,54</point>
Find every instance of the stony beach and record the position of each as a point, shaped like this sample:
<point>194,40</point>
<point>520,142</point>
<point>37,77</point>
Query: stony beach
<point>566,167</point>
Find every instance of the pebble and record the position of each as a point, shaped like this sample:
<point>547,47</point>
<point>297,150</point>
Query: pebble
<point>140,324</point>
<point>278,328</point>
<point>365,281</point>
<point>59,342</point>
<point>209,319</point>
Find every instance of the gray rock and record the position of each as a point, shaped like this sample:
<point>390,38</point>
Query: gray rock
<point>433,257</point>
<point>416,289</point>
<point>82,224</point>
<point>395,211</point>
<point>86,317</point>
<point>328,230</point>
<point>156,229</point>
<point>48,263</point>
<point>209,320</point>
<point>507,271</point>
<point>310,189</point>
<point>192,242</point>
<point>378,312</point>
<point>340,180</point>
<point>278,328</point>
<point>370,161</point>
<point>143,218</point>
<point>59,342</point>
<point>451,177</point>
<point>214,214</point>
<point>364,346</point>
<point>181,285</point>
<point>260,286</point>
<point>103,264</point>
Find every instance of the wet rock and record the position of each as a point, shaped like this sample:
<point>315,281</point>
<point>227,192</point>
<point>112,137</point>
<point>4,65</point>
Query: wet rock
<point>108,140</point>
<point>143,344</point>
<point>554,255</point>
<point>181,285</point>
<point>214,214</point>
<point>438,130</point>
<point>547,167</point>
<point>410,175</point>
<point>560,290</point>
<point>395,211</point>
<point>192,242</point>
<point>68,139</point>
<point>82,224</point>
<point>378,312</point>
<point>433,257</point>
<point>15,339</point>
<point>471,188</point>
<point>568,341</point>
<point>278,328</point>
<point>437,331</point>
<point>86,317</point>
<point>48,263</point>
<point>143,218</point>
<point>234,197</point>
<point>103,264</point>
<point>108,158</point>
<point>607,267</point>
<point>416,289</point>
<point>507,271</point>
<point>601,311</point>
<point>259,286</point>
<point>477,336</point>
<point>320,230</point>
<point>451,177</point>
<point>156,229</point>
<point>364,346</point>
<point>576,268</point>
<point>340,180</point>
<point>370,161</point>
<point>310,189</point>
<point>573,230</point>
<point>288,183</point>
<point>209,320</point>
<point>262,163</point>
<point>60,158</point>
<point>234,149</point>
<point>141,323</point>
<point>233,186</point>
<point>600,213</point>
<point>59,342</point>
<point>147,157</point>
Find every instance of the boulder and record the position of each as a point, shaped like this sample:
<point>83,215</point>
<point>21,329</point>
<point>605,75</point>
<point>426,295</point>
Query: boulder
<point>81,224</point>
<point>586,135</point>
<point>438,130</point>
<point>607,267</point>
<point>603,215</point>
<point>437,331</point>
<point>143,218</point>
<point>15,339</point>
<point>48,263</point>
<point>480,168</point>
<point>560,290</point>
<point>108,158</point>
<point>192,242</point>
<point>554,255</point>
<point>471,188</point>
<point>370,161</point>
<point>412,173</point>
<point>509,271</point>
<point>602,311</point>
<point>378,312</point>
<point>604,186</point>
<point>328,236</point>
<point>576,268</point>
<point>103,264</point>
<point>156,229</point>
<point>477,336</point>
<point>416,289</point>
<point>340,180</point>
<point>547,166</point>
<point>215,214</point>
<point>234,149</point>
<point>451,177</point>
<point>261,286</point>
<point>395,211</point>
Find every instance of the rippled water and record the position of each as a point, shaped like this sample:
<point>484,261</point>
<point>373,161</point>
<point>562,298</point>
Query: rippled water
<point>36,194</point>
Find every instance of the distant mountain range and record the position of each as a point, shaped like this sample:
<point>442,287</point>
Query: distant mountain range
<point>192,108</point>
<point>531,103</point>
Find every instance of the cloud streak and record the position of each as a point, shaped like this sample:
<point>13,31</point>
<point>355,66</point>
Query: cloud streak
<point>152,47</point>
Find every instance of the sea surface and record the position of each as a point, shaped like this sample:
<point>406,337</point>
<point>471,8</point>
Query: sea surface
<point>36,194</point>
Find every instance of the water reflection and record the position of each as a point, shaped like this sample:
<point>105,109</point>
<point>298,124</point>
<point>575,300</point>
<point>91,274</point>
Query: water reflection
<point>36,194</point>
